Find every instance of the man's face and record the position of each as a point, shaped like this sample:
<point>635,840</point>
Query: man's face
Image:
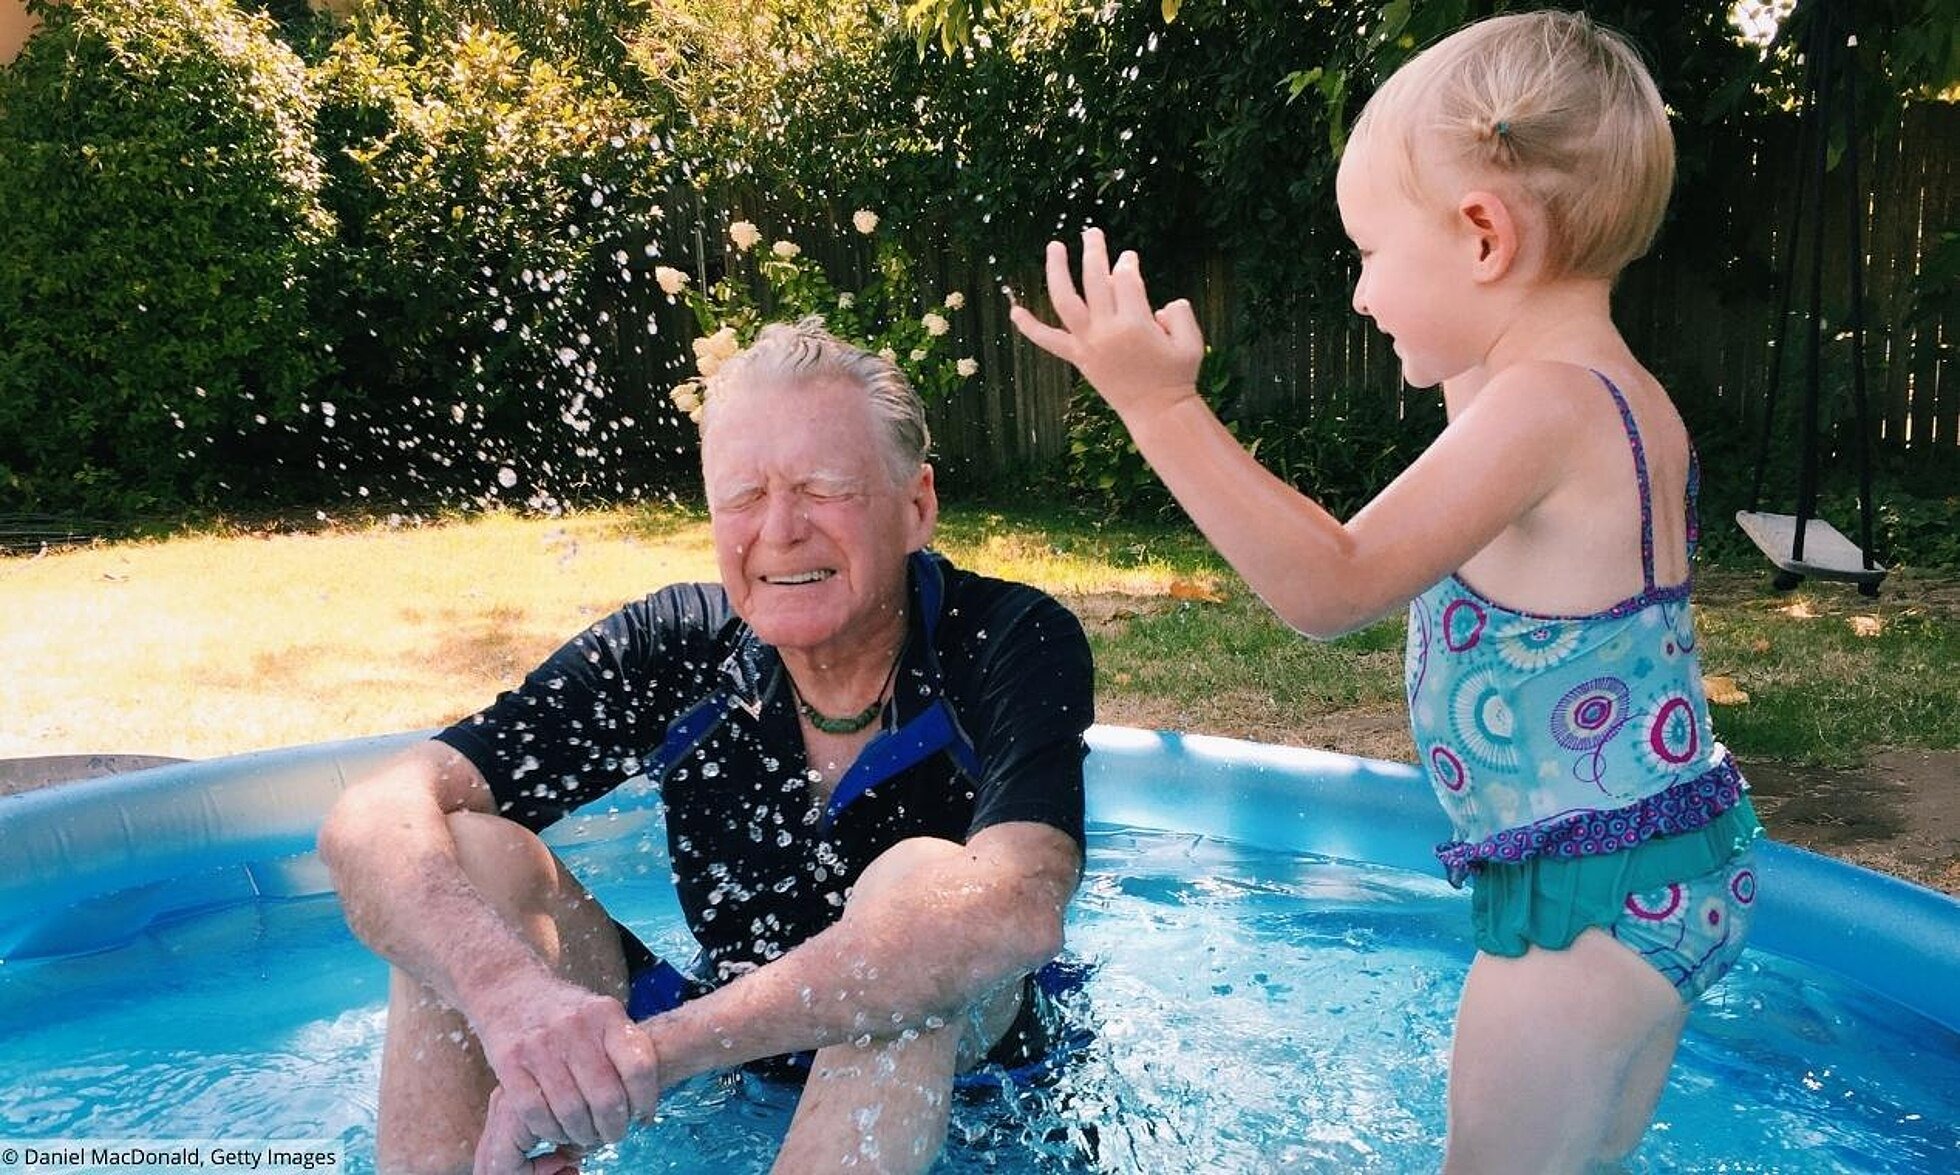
<point>810,532</point>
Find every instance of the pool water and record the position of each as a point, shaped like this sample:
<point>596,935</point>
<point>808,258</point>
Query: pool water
<point>1252,1011</point>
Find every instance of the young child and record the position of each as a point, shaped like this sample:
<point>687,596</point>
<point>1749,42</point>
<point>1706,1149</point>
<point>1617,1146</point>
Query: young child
<point>1494,188</point>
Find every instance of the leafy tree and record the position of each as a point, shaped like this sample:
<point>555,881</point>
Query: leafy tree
<point>497,214</point>
<point>163,218</point>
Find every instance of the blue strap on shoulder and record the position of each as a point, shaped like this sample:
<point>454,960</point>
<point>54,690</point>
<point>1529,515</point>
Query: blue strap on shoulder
<point>687,731</point>
<point>934,729</point>
<point>1645,484</point>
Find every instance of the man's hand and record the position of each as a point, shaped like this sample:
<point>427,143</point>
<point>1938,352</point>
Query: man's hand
<point>571,1068</point>
<point>1140,360</point>
<point>506,1146</point>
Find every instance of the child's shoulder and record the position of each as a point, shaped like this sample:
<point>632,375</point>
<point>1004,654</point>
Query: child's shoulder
<point>1549,377</point>
<point>1548,390</point>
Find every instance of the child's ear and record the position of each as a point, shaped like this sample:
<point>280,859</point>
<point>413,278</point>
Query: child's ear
<point>1491,229</point>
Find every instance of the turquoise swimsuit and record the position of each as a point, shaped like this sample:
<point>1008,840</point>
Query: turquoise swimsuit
<point>1574,757</point>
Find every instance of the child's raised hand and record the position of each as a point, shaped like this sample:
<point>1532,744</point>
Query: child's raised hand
<point>1138,359</point>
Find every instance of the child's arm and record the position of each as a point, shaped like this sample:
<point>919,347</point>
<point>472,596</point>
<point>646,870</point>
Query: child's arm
<point>1496,460</point>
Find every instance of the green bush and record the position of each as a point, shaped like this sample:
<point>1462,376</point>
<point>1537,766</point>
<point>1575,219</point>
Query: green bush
<point>162,218</point>
<point>491,289</point>
<point>1344,452</point>
<point>1341,452</point>
<point>1105,471</point>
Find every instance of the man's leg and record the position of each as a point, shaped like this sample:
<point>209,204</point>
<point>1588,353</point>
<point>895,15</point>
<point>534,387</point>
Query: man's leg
<point>880,1103</point>
<point>434,1080</point>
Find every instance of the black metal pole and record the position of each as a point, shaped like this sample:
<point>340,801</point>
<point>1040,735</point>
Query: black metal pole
<point>1806,130</point>
<point>1820,66</point>
<point>1859,398</point>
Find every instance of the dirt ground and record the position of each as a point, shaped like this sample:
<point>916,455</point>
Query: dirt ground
<point>1898,814</point>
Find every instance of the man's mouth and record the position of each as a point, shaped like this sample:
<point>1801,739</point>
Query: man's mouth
<point>799,578</point>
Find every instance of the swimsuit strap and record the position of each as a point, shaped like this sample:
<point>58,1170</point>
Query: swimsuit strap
<point>1646,487</point>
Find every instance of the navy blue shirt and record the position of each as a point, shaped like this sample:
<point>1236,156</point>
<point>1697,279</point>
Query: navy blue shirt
<point>992,696</point>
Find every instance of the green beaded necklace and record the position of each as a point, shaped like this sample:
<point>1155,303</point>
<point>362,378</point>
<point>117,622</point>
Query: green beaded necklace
<point>852,723</point>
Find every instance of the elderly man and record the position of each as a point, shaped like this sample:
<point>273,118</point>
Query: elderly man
<point>871,765</point>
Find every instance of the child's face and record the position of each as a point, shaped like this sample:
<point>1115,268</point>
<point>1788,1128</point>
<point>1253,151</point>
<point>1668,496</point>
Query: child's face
<point>1415,278</point>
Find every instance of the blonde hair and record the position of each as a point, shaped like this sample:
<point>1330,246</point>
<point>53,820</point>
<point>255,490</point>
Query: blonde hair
<point>788,355</point>
<point>1543,105</point>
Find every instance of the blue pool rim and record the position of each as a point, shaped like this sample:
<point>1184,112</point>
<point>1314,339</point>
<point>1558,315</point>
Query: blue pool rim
<point>91,863</point>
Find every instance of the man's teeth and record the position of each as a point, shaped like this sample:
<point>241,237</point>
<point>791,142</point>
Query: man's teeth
<point>800,577</point>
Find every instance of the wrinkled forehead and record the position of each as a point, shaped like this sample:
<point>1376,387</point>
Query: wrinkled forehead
<point>786,429</point>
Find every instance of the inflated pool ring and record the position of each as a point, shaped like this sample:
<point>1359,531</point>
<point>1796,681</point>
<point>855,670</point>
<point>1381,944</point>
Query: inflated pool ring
<point>87,865</point>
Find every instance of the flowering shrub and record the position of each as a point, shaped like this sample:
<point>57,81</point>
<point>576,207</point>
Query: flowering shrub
<point>889,314</point>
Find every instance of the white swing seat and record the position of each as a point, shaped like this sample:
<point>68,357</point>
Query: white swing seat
<point>1827,554</point>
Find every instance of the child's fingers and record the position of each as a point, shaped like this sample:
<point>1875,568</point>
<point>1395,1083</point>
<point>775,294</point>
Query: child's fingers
<point>1095,273</point>
<point>1061,288</point>
<point>1056,342</point>
<point>1180,322</point>
<point>1128,296</point>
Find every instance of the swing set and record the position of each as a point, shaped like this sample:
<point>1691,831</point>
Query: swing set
<point>1803,544</point>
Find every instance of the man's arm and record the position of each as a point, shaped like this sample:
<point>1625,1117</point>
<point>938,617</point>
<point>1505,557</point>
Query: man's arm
<point>394,862</point>
<point>569,1060</point>
<point>930,928</point>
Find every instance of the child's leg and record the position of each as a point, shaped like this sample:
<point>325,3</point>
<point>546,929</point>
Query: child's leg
<point>1559,1057</point>
<point>1645,1081</point>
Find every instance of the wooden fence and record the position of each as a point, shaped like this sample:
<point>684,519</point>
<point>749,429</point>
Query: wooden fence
<point>1703,320</point>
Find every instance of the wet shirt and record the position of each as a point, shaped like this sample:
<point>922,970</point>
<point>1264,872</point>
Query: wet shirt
<point>985,726</point>
<point>1565,736</point>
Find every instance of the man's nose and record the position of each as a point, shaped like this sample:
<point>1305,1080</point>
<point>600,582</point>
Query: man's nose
<point>785,518</point>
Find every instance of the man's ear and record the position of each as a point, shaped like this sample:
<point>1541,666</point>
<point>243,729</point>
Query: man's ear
<point>1487,222</point>
<point>924,509</point>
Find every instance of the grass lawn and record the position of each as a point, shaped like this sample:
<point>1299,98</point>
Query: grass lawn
<point>217,642</point>
<point>212,643</point>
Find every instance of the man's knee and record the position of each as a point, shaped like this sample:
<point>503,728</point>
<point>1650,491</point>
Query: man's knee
<point>505,862</point>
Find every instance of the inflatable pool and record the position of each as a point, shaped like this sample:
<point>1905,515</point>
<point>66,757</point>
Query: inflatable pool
<point>1264,896</point>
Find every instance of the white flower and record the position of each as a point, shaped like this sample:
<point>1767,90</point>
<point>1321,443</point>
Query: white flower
<point>711,351</point>
<point>955,300</point>
<point>744,234</point>
<point>918,354</point>
<point>786,249</point>
<point>687,396</point>
<point>722,344</point>
<point>887,354</point>
<point>846,300</point>
<point>672,281</point>
<point>865,221</point>
<point>935,324</point>
<point>967,367</point>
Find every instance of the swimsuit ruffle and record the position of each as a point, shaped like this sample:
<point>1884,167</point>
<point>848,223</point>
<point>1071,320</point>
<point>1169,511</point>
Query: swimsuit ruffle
<point>1682,808</point>
<point>1548,901</point>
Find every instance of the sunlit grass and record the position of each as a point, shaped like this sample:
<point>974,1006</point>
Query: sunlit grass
<point>205,645</point>
<point>213,643</point>
<point>1831,674</point>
